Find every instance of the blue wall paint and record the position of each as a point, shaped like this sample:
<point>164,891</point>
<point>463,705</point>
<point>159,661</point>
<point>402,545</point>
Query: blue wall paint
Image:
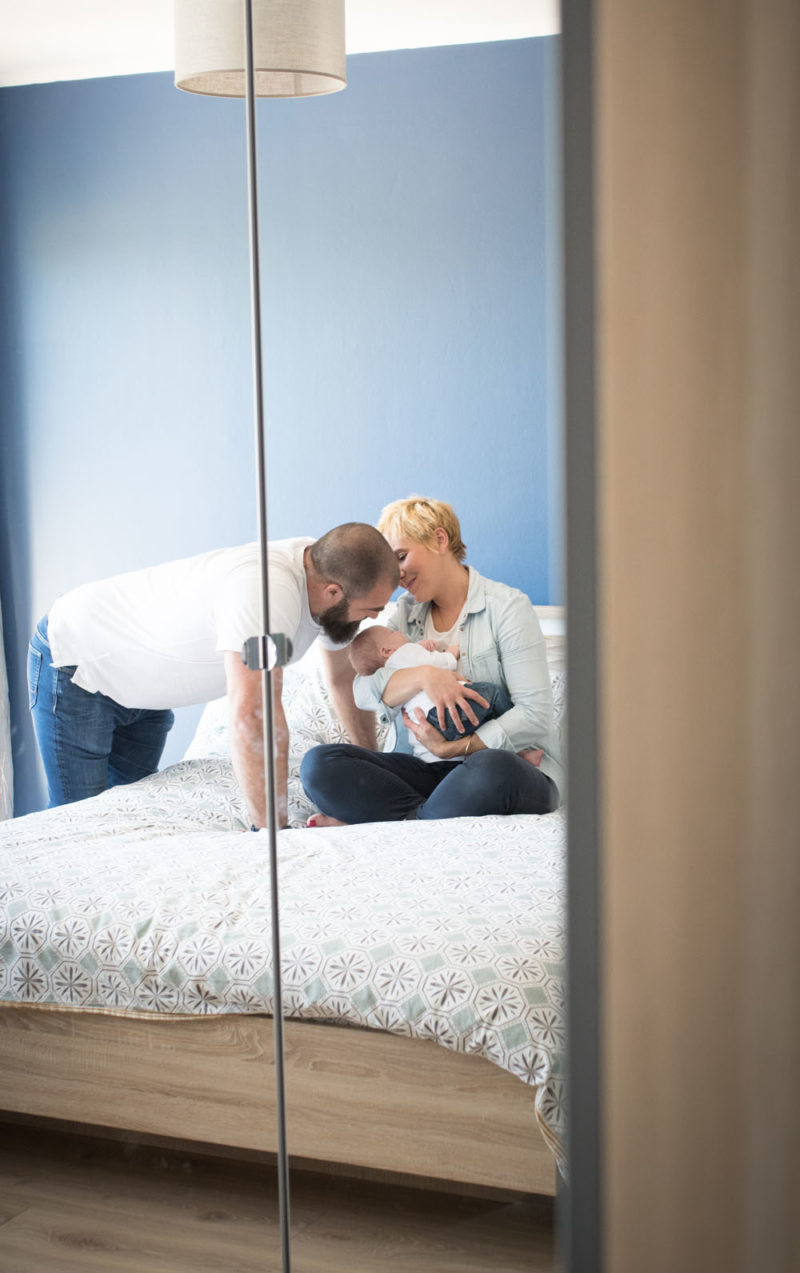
<point>410,314</point>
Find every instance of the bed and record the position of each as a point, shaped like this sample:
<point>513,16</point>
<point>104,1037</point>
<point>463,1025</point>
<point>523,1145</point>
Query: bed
<point>423,972</point>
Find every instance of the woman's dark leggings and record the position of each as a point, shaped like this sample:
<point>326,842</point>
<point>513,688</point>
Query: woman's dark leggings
<point>356,785</point>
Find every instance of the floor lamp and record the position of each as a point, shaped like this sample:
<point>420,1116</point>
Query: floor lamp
<point>263,48</point>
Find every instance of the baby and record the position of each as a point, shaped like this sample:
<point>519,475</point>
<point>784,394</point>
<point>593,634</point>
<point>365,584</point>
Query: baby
<point>378,646</point>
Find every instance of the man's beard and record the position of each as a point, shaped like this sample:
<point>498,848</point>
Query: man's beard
<point>335,622</point>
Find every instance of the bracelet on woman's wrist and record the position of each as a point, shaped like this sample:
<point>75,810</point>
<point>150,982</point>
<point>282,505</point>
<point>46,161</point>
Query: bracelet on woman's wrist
<point>469,744</point>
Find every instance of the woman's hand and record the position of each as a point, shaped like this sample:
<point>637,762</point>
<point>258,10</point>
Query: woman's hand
<point>449,693</point>
<point>430,737</point>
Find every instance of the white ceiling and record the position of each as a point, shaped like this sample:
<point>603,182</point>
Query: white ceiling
<point>43,40</point>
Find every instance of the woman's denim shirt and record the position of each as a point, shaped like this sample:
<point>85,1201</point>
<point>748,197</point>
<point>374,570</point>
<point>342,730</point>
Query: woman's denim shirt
<point>501,642</point>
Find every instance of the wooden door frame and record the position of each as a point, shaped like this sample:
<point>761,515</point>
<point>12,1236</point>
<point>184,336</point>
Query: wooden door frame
<point>681,131</point>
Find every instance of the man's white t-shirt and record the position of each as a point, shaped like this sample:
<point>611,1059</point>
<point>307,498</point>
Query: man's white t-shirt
<point>156,638</point>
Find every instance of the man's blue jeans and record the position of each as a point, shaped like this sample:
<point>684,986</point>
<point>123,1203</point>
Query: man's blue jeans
<point>87,741</point>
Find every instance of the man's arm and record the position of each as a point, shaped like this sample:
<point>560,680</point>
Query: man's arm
<point>360,725</point>
<point>246,731</point>
<point>281,731</point>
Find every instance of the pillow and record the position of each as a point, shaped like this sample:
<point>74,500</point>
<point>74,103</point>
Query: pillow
<point>210,739</point>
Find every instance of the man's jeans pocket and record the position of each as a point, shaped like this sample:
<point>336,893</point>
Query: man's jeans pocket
<point>34,673</point>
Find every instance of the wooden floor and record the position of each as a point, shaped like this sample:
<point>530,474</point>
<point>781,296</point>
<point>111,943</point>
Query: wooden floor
<point>71,1204</point>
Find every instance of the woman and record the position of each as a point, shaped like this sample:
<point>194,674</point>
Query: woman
<point>501,642</point>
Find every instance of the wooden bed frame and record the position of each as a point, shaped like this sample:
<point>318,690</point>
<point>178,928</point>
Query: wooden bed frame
<point>356,1098</point>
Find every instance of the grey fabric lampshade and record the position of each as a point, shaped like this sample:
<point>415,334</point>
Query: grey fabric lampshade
<point>298,45</point>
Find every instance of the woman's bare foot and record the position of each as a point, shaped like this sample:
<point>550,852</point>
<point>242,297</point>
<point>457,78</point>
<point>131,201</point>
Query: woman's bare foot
<point>322,820</point>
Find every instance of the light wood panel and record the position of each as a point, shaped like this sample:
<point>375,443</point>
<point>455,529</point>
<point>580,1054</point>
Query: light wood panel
<point>698,338</point>
<point>354,1096</point>
<point>771,998</point>
<point>674,622</point>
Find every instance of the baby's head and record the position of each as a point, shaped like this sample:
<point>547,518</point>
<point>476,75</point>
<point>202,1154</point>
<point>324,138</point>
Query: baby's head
<point>372,647</point>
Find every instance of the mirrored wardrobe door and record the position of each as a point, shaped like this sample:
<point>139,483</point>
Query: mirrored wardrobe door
<point>410,259</point>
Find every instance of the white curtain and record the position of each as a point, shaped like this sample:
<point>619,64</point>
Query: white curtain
<point>6,766</point>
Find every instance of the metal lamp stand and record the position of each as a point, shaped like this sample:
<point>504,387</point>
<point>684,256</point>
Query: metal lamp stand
<point>266,681</point>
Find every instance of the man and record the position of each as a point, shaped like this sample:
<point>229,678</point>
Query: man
<point>112,658</point>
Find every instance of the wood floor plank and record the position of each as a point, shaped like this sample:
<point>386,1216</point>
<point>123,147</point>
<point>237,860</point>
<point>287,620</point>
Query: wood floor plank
<point>11,1205</point>
<point>76,1205</point>
<point>75,1171</point>
<point>58,1239</point>
<point>506,1239</point>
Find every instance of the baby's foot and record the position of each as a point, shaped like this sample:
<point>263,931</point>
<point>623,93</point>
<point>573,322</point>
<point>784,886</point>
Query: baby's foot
<point>533,755</point>
<point>322,820</point>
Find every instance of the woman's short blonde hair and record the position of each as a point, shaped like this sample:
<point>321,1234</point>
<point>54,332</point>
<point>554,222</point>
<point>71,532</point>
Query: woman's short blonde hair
<point>418,519</point>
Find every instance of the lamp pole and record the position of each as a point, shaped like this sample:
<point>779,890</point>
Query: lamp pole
<point>266,680</point>
<point>301,53</point>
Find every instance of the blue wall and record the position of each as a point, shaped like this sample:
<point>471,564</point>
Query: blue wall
<point>410,262</point>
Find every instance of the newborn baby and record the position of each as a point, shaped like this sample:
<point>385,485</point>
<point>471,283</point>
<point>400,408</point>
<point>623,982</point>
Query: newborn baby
<point>379,646</point>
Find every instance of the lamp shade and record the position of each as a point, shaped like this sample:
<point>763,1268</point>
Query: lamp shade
<point>298,47</point>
